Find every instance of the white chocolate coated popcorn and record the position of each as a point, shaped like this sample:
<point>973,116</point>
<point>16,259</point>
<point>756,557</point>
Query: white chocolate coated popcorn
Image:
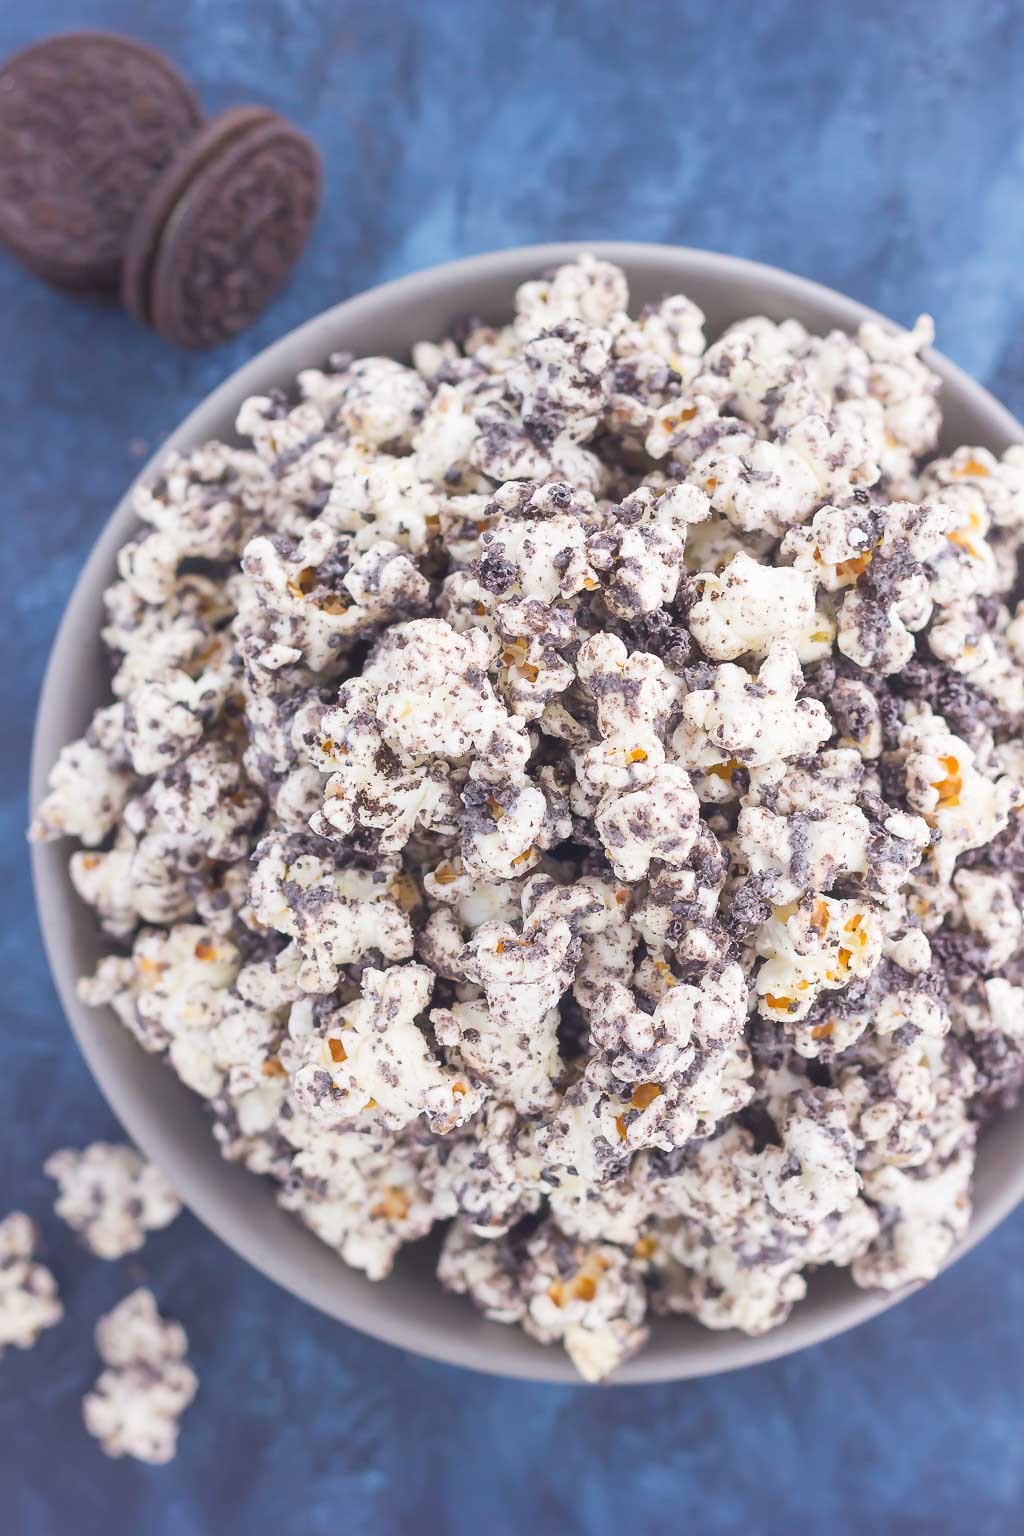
<point>570,788</point>
<point>376,1059</point>
<point>363,1193</point>
<point>134,1407</point>
<point>750,606</point>
<point>111,1196</point>
<point>589,1297</point>
<point>29,1300</point>
<point>752,721</point>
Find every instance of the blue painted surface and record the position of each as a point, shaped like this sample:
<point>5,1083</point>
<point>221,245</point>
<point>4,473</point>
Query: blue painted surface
<point>882,153</point>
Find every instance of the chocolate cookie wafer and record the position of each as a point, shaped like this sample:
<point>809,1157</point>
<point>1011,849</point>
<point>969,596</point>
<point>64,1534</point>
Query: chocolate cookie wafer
<point>165,194</point>
<point>219,233</point>
<point>87,121</point>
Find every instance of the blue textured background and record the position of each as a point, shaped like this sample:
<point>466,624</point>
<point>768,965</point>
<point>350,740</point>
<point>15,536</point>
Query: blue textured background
<point>883,155</point>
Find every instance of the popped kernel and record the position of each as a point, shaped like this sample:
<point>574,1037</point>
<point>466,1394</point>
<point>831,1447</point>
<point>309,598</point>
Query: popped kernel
<point>146,1384</point>
<point>29,1299</point>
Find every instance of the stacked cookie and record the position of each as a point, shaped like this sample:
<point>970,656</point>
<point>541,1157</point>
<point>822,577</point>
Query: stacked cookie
<point>111,181</point>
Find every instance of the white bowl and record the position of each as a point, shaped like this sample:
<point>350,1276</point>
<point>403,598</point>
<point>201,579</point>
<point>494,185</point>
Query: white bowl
<point>168,1121</point>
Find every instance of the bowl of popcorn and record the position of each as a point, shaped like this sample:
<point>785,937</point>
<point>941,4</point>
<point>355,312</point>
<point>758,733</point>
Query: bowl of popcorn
<point>538,757</point>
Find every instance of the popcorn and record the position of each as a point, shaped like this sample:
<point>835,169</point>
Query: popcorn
<point>759,486</point>
<point>148,642</point>
<point>203,804</point>
<point>133,1409</point>
<point>171,995</point>
<point>535,670</point>
<point>989,909</point>
<point>442,446</point>
<point>29,1301</point>
<point>642,565</point>
<point>378,401</point>
<point>363,1195</point>
<point>964,807</point>
<point>792,854</point>
<point>305,601</point>
<point>587,1297</point>
<point>750,606</point>
<point>812,1176</point>
<point>825,944</point>
<point>884,1002</point>
<point>906,386</point>
<point>632,696</point>
<point>165,719</point>
<point>205,506</point>
<point>111,1197</point>
<point>973,478</point>
<point>658,822</point>
<point>334,915</point>
<point>890,598</point>
<point>993,1028</point>
<point>737,720</point>
<point>891,1097</point>
<point>554,393</point>
<point>587,289</point>
<point>614,1211</point>
<point>722,1250</point>
<point>505,451</point>
<point>523,1074</point>
<point>524,765</point>
<point>925,1213</point>
<point>491,1175</point>
<point>295,445</point>
<point>89,785</point>
<point>535,543</point>
<point>376,1058</point>
<point>377,500</point>
<point>665,1077</point>
<point>512,1041</point>
<point>725,1285</point>
<point>672,332</point>
<point>424,697</point>
<point>963,639</point>
<point>559,383</point>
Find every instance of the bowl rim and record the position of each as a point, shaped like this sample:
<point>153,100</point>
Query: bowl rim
<point>52,885</point>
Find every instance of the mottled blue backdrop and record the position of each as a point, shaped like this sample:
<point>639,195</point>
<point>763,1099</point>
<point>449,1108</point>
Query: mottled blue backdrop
<point>878,147</point>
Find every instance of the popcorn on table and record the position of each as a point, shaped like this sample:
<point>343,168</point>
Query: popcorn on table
<point>135,1405</point>
<point>111,1197</point>
<point>570,788</point>
<point>29,1299</point>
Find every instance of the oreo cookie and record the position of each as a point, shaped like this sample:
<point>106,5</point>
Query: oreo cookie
<point>219,231</point>
<point>109,179</point>
<point>88,121</point>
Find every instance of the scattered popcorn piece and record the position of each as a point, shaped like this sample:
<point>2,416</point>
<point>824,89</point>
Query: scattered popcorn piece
<point>133,1409</point>
<point>111,1196</point>
<point>29,1300</point>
